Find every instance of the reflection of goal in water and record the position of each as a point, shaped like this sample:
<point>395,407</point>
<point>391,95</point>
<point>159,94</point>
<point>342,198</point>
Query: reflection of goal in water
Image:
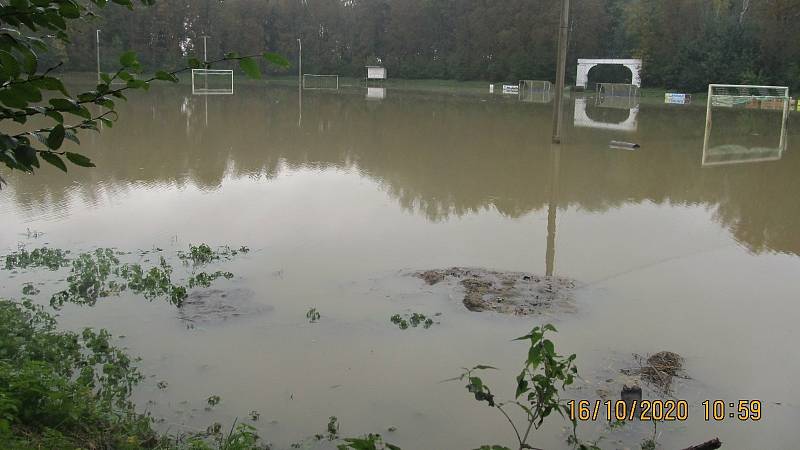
<point>321,82</point>
<point>376,93</point>
<point>582,119</point>
<point>535,91</point>
<point>745,97</point>
<point>212,82</point>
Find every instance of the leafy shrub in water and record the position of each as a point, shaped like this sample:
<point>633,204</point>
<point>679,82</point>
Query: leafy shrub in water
<point>51,258</point>
<point>64,390</point>
<point>204,254</point>
<point>100,274</point>
<point>61,389</point>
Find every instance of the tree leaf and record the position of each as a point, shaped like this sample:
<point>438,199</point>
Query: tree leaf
<point>166,76</point>
<point>276,59</point>
<point>128,59</point>
<point>56,137</point>
<point>138,84</point>
<point>250,67</point>
<point>79,160</point>
<point>54,160</point>
<point>194,63</point>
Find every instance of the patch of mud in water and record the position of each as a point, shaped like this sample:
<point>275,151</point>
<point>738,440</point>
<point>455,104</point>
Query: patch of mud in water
<point>516,293</point>
<point>658,370</point>
<point>214,306</point>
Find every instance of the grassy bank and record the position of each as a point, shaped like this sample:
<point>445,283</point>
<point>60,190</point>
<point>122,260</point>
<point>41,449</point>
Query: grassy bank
<point>61,390</point>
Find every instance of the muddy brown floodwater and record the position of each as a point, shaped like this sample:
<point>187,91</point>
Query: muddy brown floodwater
<point>341,197</point>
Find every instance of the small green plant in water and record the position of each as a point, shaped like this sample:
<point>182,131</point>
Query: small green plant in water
<point>205,280</point>
<point>29,289</point>
<point>33,234</point>
<point>333,428</point>
<point>313,315</point>
<point>414,320</point>
<point>213,401</point>
<point>544,375</point>
<point>204,254</point>
<point>368,442</point>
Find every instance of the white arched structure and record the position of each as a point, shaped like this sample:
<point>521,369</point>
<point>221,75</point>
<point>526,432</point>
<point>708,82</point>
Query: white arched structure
<point>582,118</point>
<point>585,65</point>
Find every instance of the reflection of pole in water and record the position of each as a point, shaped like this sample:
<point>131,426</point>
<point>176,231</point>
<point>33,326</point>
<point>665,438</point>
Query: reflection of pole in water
<point>300,106</point>
<point>206,98</point>
<point>98,57</point>
<point>552,210</point>
<point>300,82</point>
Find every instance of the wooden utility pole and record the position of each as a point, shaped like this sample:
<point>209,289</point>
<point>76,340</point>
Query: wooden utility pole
<point>563,35</point>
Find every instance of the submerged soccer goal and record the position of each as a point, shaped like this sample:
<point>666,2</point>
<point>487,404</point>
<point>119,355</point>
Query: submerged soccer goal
<point>536,91</point>
<point>212,82</point>
<point>326,82</point>
<point>748,100</point>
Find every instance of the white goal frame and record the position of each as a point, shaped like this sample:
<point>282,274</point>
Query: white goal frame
<point>320,76</point>
<point>741,94</point>
<point>199,90</point>
<point>528,91</point>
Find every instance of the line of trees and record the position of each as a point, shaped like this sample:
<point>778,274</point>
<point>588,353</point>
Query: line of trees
<point>685,44</point>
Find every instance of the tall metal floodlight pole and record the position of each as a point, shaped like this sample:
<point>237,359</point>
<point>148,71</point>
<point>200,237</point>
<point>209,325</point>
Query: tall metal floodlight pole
<point>205,48</point>
<point>300,63</point>
<point>563,35</point>
<point>98,56</point>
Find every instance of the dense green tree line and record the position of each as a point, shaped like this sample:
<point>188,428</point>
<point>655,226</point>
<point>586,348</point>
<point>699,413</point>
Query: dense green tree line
<point>685,44</point>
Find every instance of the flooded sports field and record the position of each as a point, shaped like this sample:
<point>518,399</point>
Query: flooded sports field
<point>359,209</point>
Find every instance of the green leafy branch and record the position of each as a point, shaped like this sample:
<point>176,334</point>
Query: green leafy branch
<point>544,375</point>
<point>22,84</point>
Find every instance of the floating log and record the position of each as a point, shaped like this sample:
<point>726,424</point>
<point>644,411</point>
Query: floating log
<point>623,145</point>
<point>710,445</point>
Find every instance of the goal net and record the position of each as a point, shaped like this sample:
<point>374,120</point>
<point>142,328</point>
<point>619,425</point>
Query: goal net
<point>745,96</point>
<point>750,123</point>
<point>535,91</point>
<point>617,90</point>
<point>212,82</point>
<point>328,82</point>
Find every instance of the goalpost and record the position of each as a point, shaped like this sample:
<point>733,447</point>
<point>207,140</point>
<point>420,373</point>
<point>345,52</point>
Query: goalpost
<point>326,82</point>
<point>750,97</point>
<point>212,82</point>
<point>535,90</point>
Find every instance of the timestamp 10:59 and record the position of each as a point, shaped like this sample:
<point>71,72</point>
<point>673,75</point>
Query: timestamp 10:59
<point>743,410</point>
